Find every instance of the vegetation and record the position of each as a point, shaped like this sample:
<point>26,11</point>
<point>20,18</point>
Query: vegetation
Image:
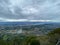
<point>50,39</point>
<point>54,36</point>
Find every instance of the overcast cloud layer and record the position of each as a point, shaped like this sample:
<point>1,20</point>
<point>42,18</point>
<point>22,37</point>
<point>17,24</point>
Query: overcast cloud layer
<point>15,10</point>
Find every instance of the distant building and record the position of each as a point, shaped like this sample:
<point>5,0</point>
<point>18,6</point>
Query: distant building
<point>19,31</point>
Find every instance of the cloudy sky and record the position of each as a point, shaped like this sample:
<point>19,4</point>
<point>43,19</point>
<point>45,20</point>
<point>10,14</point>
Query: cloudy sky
<point>30,10</point>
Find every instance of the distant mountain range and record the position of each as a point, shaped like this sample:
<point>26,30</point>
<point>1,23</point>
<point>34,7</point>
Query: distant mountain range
<point>26,23</point>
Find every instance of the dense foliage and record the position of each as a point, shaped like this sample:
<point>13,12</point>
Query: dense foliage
<point>50,39</point>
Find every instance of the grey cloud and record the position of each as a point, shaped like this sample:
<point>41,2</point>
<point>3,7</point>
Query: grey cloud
<point>47,9</point>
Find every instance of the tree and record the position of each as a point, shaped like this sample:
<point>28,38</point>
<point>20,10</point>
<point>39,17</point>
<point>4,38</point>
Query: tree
<point>34,42</point>
<point>54,36</point>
